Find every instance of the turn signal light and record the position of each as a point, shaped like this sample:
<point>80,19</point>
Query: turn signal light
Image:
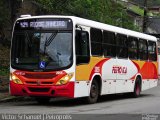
<point>64,80</point>
<point>15,79</point>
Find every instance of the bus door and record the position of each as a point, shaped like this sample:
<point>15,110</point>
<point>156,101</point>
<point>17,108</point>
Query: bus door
<point>82,61</point>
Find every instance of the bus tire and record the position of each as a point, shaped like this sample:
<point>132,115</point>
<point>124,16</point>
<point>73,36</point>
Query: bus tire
<point>42,100</point>
<point>137,88</point>
<point>94,92</point>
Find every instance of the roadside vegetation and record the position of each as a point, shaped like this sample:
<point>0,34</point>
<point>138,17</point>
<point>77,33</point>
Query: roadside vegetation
<point>140,11</point>
<point>4,61</point>
<point>105,11</point>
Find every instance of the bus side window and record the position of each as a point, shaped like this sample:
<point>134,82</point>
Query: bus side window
<point>109,44</point>
<point>133,47</point>
<point>122,46</point>
<point>96,42</point>
<point>142,47</point>
<point>82,47</point>
<point>152,51</point>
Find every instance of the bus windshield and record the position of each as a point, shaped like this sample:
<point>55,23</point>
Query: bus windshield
<point>42,50</point>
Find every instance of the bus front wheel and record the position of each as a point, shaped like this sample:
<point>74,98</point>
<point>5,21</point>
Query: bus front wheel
<point>94,92</point>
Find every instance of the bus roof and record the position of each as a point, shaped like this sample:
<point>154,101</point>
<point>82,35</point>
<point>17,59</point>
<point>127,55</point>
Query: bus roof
<point>98,25</point>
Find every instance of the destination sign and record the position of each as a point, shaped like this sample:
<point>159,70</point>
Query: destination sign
<point>44,24</point>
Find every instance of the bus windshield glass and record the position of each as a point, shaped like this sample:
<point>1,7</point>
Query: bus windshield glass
<point>40,47</point>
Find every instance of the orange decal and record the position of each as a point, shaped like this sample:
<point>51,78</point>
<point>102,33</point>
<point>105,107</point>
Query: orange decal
<point>147,69</point>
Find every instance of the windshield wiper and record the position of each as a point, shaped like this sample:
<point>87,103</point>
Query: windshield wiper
<point>49,40</point>
<point>28,40</point>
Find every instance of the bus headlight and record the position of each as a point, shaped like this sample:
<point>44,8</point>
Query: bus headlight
<point>64,80</point>
<point>15,79</point>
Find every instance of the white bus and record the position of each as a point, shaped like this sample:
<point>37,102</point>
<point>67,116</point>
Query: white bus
<point>67,56</point>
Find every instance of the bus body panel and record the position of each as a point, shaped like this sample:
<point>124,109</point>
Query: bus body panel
<point>49,91</point>
<point>42,84</point>
<point>82,89</point>
<point>117,75</point>
<point>159,64</point>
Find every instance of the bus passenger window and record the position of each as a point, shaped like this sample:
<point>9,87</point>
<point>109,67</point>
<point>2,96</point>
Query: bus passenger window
<point>96,42</point>
<point>133,47</point>
<point>152,51</point>
<point>122,46</point>
<point>82,47</point>
<point>142,46</point>
<point>109,44</point>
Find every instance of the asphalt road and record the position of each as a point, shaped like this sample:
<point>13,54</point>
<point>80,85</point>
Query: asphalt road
<point>147,103</point>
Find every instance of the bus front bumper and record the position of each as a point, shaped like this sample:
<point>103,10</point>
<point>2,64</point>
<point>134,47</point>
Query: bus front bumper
<point>38,90</point>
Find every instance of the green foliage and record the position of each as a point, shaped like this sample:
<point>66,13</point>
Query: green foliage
<point>4,71</point>
<point>4,60</point>
<point>137,9</point>
<point>106,11</point>
<point>149,2</point>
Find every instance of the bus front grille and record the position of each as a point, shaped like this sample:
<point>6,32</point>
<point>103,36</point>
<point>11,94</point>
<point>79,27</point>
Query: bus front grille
<point>40,76</point>
<point>40,83</point>
<point>31,89</point>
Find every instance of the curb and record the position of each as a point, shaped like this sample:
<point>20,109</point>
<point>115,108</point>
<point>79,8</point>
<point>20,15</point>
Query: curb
<point>27,99</point>
<point>15,99</point>
<point>22,98</point>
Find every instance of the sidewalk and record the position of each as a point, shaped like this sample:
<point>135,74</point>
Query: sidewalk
<point>6,97</point>
<point>4,84</point>
<point>4,92</point>
<point>4,89</point>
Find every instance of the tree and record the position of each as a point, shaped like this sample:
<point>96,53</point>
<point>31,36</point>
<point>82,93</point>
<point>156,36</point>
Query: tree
<point>4,13</point>
<point>106,11</point>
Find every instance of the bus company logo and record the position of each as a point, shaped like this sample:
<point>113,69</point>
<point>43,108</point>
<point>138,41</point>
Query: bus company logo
<point>20,73</point>
<point>119,69</point>
<point>38,82</point>
<point>59,72</point>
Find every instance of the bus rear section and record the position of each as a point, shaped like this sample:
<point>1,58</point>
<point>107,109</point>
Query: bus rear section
<point>42,57</point>
<point>121,61</point>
